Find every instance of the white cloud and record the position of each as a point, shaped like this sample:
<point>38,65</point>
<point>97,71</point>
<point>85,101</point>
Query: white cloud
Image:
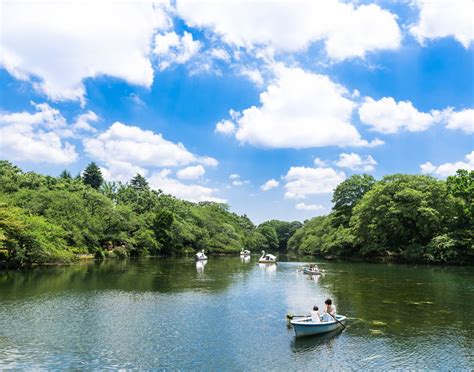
<point>191,173</point>
<point>300,110</point>
<point>319,162</point>
<point>303,181</point>
<point>36,137</point>
<point>136,146</point>
<point>208,161</point>
<point>253,75</point>
<point>234,176</point>
<point>225,127</point>
<point>193,193</point>
<point>309,207</point>
<point>83,122</point>
<point>442,18</point>
<point>288,26</point>
<point>448,169</point>
<point>463,120</point>
<point>388,116</point>
<point>356,162</point>
<point>220,54</point>
<point>121,171</point>
<point>270,184</point>
<point>171,48</point>
<point>64,42</point>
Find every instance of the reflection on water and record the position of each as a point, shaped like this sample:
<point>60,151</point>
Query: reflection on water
<point>143,314</point>
<point>200,266</point>
<point>245,259</point>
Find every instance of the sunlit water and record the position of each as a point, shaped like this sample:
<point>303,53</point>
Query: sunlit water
<point>230,314</point>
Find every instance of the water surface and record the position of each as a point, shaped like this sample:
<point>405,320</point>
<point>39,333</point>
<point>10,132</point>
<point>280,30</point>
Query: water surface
<point>230,314</point>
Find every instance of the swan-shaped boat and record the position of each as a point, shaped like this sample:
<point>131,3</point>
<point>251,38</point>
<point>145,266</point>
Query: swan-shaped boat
<point>200,256</point>
<point>267,258</point>
<point>306,327</point>
<point>244,253</point>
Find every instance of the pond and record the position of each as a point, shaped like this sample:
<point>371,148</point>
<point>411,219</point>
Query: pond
<point>230,314</point>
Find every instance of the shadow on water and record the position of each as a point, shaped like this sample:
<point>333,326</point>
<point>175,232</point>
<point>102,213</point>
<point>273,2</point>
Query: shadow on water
<point>312,343</point>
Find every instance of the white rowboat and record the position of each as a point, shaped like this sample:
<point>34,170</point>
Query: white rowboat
<point>306,327</point>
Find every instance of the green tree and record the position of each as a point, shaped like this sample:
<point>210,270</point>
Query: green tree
<point>401,215</point>
<point>347,194</point>
<point>92,176</point>
<point>139,182</point>
<point>65,175</point>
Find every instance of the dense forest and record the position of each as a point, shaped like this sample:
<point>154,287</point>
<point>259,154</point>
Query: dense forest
<point>46,219</point>
<point>404,218</point>
<point>409,218</point>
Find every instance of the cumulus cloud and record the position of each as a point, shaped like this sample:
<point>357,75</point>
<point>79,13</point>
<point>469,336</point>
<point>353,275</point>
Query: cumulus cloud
<point>300,110</point>
<point>234,176</point>
<point>171,48</point>
<point>225,127</point>
<point>319,162</point>
<point>309,207</point>
<point>388,116</point>
<point>253,75</point>
<point>134,145</point>
<point>448,169</point>
<point>57,44</point>
<point>84,122</point>
<point>193,193</point>
<point>303,181</point>
<point>191,172</point>
<point>286,26</point>
<point>121,171</point>
<point>270,184</point>
<point>356,162</point>
<point>36,137</point>
<point>442,18</point>
<point>462,120</point>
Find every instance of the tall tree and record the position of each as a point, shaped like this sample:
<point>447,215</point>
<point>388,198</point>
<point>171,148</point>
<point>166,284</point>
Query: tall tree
<point>65,175</point>
<point>139,182</point>
<point>347,194</point>
<point>92,176</point>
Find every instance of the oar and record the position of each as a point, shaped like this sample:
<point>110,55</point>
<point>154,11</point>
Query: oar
<point>343,326</point>
<point>290,317</point>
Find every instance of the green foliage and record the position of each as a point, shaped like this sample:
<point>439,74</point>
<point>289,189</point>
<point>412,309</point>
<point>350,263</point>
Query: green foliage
<point>347,194</point>
<point>402,217</point>
<point>92,176</point>
<point>284,230</point>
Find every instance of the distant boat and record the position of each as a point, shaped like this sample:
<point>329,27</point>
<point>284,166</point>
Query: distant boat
<point>306,327</point>
<point>244,253</point>
<point>267,258</point>
<point>200,256</point>
<point>311,271</point>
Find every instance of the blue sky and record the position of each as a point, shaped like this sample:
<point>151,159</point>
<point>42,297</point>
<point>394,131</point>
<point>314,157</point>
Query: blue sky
<point>266,105</point>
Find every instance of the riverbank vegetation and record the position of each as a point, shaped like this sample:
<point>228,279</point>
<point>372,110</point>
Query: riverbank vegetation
<point>409,218</point>
<point>405,218</point>
<point>46,219</point>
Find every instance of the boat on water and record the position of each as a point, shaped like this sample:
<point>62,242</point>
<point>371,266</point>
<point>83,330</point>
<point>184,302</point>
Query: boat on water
<point>313,271</point>
<point>306,327</point>
<point>245,253</point>
<point>200,256</point>
<point>267,258</point>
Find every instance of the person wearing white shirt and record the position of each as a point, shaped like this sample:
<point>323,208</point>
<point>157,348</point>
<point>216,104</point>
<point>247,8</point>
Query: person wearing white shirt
<point>315,317</point>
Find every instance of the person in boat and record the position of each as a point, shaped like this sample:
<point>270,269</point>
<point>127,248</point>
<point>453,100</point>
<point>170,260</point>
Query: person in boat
<point>329,309</point>
<point>315,317</point>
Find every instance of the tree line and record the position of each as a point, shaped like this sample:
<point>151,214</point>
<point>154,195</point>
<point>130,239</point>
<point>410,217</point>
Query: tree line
<point>404,218</point>
<point>45,219</point>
